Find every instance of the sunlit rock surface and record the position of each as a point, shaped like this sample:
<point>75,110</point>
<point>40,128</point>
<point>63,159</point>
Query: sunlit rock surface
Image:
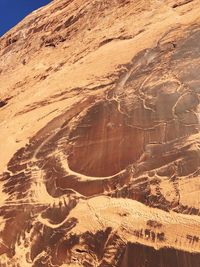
<point>99,135</point>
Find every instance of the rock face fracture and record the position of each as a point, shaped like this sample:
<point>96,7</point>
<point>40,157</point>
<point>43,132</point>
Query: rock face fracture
<point>99,135</point>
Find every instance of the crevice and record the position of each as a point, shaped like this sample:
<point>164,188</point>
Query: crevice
<point>2,103</point>
<point>181,3</point>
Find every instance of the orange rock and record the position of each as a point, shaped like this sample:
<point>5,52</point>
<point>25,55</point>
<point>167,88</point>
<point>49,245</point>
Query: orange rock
<point>99,135</point>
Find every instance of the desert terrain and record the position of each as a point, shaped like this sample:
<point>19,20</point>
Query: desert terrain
<point>99,135</point>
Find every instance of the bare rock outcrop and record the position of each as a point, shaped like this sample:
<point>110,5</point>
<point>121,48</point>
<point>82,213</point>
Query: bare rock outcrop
<point>99,135</point>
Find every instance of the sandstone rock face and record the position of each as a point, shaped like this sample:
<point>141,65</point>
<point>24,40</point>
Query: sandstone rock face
<point>99,135</point>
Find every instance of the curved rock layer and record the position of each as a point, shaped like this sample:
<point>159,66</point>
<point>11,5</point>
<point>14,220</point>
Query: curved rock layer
<point>100,150</point>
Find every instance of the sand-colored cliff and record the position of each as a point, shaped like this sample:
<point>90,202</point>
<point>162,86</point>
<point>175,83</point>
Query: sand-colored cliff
<point>99,135</point>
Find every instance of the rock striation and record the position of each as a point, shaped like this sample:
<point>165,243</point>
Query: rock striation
<point>99,135</point>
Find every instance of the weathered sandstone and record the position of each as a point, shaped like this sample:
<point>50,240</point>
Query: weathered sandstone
<point>99,135</point>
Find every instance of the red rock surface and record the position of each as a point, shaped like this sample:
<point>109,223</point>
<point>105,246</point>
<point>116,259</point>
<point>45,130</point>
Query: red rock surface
<point>99,135</point>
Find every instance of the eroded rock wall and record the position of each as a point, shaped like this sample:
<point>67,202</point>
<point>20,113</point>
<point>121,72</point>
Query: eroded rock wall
<point>99,118</point>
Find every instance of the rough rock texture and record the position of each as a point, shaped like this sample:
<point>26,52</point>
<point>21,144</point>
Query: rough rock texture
<point>99,135</point>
